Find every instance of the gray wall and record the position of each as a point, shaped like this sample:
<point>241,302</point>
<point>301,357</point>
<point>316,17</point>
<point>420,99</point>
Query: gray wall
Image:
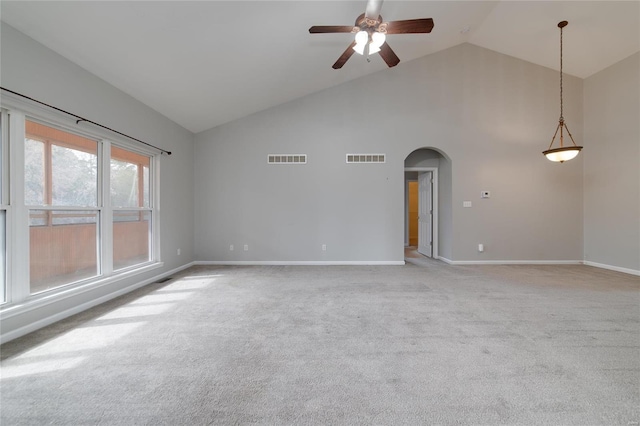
<point>490,114</point>
<point>30,68</point>
<point>612,165</point>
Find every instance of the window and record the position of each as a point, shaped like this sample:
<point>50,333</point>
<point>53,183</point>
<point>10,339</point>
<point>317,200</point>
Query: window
<point>131,208</point>
<point>61,192</point>
<point>85,220</point>
<point>77,208</point>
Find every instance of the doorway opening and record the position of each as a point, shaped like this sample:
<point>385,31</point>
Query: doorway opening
<point>421,212</point>
<point>412,212</point>
<point>422,209</point>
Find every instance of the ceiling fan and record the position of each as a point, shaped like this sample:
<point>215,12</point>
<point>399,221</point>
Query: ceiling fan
<point>371,31</point>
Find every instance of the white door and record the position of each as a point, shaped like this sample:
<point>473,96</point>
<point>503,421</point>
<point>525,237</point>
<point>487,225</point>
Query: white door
<point>425,214</point>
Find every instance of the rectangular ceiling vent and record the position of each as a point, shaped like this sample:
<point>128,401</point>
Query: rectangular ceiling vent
<point>287,159</point>
<point>366,158</point>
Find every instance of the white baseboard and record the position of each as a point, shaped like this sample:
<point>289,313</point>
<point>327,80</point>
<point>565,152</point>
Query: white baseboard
<point>298,262</point>
<point>21,331</point>
<point>612,268</point>
<point>510,262</point>
<point>541,262</point>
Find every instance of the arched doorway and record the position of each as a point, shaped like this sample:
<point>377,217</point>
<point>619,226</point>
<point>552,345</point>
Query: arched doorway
<point>427,174</point>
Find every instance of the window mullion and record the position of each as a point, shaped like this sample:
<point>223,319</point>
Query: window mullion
<point>5,261</point>
<point>106,215</point>
<point>154,204</point>
<point>48,179</point>
<point>20,236</point>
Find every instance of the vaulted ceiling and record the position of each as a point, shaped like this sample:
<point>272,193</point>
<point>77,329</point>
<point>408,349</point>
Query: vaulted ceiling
<point>204,63</point>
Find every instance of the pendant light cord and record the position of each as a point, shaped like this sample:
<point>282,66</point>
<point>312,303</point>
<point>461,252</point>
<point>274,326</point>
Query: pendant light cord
<point>561,106</point>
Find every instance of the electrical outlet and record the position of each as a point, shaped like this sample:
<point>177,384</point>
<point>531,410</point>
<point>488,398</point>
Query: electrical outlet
<point>178,252</point>
<point>324,247</point>
<point>231,247</point>
<point>246,247</point>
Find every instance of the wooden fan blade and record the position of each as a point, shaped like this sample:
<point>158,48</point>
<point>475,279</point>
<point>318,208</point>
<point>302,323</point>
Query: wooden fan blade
<point>410,26</point>
<point>344,57</point>
<point>389,55</point>
<point>323,29</point>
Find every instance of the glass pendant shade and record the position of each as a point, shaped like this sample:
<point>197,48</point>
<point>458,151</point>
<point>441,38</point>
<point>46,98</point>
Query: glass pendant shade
<point>562,154</point>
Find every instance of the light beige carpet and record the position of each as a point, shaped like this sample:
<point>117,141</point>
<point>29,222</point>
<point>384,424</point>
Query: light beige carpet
<point>433,344</point>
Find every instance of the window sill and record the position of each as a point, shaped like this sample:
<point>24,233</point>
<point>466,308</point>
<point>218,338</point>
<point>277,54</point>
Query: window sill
<point>36,301</point>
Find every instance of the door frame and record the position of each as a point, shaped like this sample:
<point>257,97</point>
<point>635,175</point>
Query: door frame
<point>434,203</point>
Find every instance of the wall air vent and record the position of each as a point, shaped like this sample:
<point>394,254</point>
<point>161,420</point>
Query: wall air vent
<point>287,159</point>
<point>366,158</point>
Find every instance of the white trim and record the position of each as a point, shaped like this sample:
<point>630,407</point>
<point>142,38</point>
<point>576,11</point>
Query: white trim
<point>612,268</point>
<point>105,232</point>
<point>58,294</point>
<point>14,334</point>
<point>154,203</point>
<point>19,279</point>
<point>510,262</point>
<point>4,157</point>
<point>5,205</point>
<point>297,262</point>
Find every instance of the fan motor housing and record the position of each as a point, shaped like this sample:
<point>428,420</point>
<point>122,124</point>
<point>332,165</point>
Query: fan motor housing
<point>370,25</point>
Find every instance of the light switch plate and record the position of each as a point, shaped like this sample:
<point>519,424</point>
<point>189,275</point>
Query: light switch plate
<point>466,204</point>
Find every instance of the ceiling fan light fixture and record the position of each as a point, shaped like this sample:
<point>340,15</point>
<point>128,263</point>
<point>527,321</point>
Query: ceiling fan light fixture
<point>370,34</point>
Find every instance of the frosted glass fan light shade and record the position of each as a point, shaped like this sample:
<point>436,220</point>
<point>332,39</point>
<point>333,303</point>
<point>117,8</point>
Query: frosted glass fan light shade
<point>562,154</point>
<point>373,49</point>
<point>362,37</point>
<point>377,40</point>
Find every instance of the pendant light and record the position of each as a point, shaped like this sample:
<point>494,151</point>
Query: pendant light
<point>562,153</point>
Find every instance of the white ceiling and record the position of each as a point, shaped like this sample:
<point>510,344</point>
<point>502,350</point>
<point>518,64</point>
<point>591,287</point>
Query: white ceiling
<point>204,63</point>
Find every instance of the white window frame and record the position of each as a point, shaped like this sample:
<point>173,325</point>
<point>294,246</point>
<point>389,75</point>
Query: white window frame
<point>5,205</point>
<point>18,297</point>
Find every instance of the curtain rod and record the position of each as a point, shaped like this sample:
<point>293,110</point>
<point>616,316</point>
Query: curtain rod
<point>80,119</point>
